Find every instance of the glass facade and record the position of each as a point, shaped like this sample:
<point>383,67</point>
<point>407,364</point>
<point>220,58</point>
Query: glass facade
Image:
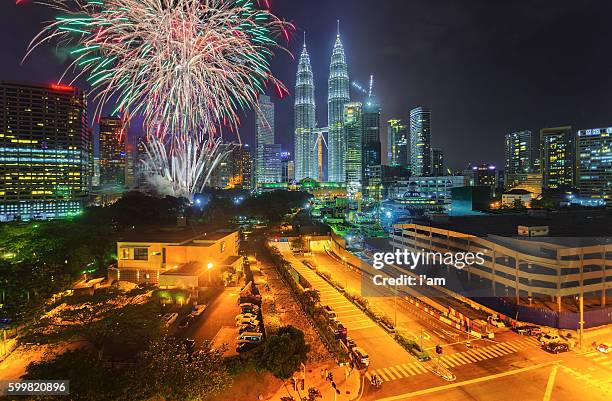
<point>112,152</point>
<point>353,130</point>
<point>595,163</point>
<point>265,136</point>
<point>420,141</point>
<point>398,140</point>
<point>45,151</point>
<point>338,97</point>
<point>305,121</point>
<point>557,155</point>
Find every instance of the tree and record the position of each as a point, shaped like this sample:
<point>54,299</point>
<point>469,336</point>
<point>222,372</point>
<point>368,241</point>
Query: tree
<point>311,299</point>
<point>518,204</point>
<point>89,381</point>
<point>284,351</point>
<point>169,370</point>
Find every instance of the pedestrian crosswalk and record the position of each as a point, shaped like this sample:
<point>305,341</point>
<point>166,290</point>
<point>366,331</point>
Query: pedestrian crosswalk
<point>599,358</point>
<point>474,355</point>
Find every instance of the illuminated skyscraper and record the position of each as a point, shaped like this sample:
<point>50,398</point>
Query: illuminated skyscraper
<point>305,109</point>
<point>519,157</point>
<point>265,136</point>
<point>371,137</point>
<point>45,145</point>
<point>338,97</point>
<point>437,162</point>
<point>595,163</point>
<point>420,141</point>
<point>112,151</point>
<point>557,156</point>
<point>398,143</point>
<point>353,130</point>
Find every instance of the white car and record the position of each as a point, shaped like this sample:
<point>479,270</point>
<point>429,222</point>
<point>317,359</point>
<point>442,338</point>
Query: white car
<point>246,316</point>
<point>243,322</point>
<point>605,348</point>
<point>169,318</point>
<point>550,338</point>
<point>198,310</point>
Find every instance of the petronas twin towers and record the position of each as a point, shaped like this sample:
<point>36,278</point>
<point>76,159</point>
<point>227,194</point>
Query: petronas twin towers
<point>307,135</point>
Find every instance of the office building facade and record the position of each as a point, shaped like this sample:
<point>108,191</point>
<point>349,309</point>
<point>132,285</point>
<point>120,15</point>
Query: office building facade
<point>264,136</point>
<point>594,152</point>
<point>398,140</point>
<point>437,162</point>
<point>45,151</point>
<point>353,132</point>
<point>113,155</point>
<point>420,141</point>
<point>558,157</point>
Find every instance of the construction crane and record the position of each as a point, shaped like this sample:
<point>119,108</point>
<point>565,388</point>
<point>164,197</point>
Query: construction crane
<point>361,89</point>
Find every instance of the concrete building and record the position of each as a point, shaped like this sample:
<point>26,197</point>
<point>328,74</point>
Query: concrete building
<point>558,157</point>
<point>398,142</point>
<point>46,159</point>
<point>510,198</point>
<point>595,163</point>
<point>571,261</point>
<point>519,152</point>
<point>178,257</point>
<point>113,155</point>
<point>353,134</point>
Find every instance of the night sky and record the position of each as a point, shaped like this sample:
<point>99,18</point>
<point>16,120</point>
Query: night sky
<point>485,67</point>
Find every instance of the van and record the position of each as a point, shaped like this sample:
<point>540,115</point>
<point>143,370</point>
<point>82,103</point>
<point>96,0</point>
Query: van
<point>250,337</point>
<point>361,356</point>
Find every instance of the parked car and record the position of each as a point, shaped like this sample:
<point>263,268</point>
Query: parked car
<point>169,318</point>
<point>331,315</point>
<point>251,337</point>
<point>198,310</point>
<point>495,321</point>
<point>246,316</point>
<point>186,322</point>
<point>527,330</point>
<point>244,323</point>
<point>244,347</point>
<point>550,338</point>
<point>555,348</point>
<point>249,327</point>
<point>604,348</point>
<point>361,357</point>
<point>249,308</point>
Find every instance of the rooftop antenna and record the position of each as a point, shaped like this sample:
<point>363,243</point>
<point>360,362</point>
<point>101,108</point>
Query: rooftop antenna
<point>371,86</point>
<point>304,38</point>
<point>338,27</point>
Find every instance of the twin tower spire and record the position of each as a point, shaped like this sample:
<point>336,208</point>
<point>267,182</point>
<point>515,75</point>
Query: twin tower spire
<point>307,158</point>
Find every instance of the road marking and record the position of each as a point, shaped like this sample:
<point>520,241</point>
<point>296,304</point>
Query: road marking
<point>382,375</point>
<point>550,384</point>
<point>362,327</point>
<point>463,383</point>
<point>402,370</point>
<point>395,371</point>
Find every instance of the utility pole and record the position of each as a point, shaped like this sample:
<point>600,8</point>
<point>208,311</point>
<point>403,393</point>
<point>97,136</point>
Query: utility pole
<point>581,319</point>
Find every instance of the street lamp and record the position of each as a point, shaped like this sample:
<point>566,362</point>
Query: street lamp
<point>209,266</point>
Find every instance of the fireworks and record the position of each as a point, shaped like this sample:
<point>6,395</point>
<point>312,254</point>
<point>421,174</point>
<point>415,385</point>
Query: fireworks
<point>187,66</point>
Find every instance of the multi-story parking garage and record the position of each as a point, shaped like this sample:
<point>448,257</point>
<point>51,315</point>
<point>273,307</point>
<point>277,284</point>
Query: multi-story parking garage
<point>573,259</point>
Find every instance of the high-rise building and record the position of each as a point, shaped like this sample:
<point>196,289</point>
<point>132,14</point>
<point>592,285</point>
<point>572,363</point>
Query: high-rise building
<point>338,97</point>
<point>595,163</point>
<point>265,136</point>
<point>420,141</point>
<point>353,132</point>
<point>398,143</point>
<point>113,138</point>
<point>305,136</point>
<point>285,159</point>
<point>45,146</point>
<point>272,167</point>
<point>95,179</point>
<point>485,175</point>
<point>519,154</point>
<point>557,157</point>
<point>247,167</point>
<point>437,162</point>
<point>372,154</point>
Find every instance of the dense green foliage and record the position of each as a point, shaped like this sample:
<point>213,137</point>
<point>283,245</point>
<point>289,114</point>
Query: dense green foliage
<point>283,352</point>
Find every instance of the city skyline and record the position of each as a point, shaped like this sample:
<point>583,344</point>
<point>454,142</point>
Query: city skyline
<point>506,105</point>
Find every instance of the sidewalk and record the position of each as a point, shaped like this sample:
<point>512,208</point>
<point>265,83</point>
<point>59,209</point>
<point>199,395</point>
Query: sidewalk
<point>349,386</point>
